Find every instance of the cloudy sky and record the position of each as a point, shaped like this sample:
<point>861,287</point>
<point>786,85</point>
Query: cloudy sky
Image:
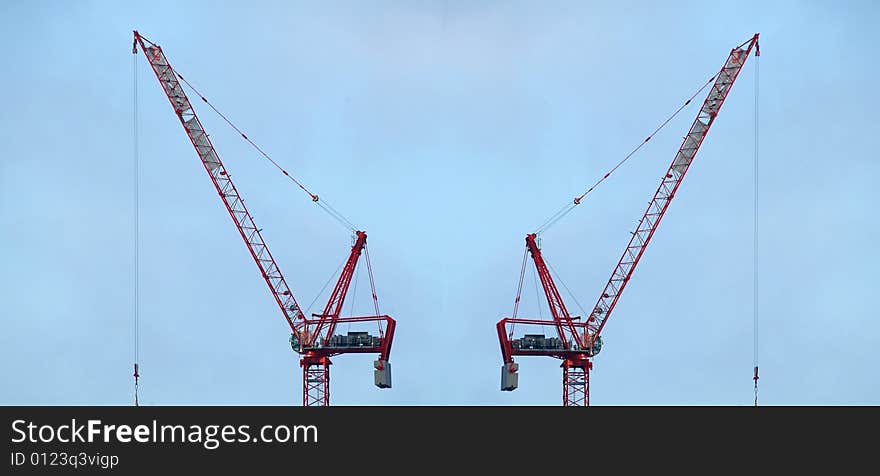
<point>447,130</point>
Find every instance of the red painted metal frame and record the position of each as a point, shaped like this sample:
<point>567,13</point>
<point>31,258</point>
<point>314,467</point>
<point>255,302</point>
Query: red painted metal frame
<point>315,360</point>
<point>576,362</point>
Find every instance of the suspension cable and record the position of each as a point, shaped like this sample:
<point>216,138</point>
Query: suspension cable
<point>323,205</point>
<point>324,288</point>
<point>755,244</point>
<point>136,257</point>
<point>577,200</point>
<point>373,287</point>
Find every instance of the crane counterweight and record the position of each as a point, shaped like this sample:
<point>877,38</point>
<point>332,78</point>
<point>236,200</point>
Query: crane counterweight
<point>314,339</point>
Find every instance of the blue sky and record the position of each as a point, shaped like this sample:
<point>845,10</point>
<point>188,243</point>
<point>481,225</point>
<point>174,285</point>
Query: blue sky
<point>446,130</point>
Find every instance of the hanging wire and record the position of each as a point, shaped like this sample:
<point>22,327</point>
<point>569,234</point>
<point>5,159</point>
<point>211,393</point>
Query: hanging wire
<point>135,253</point>
<point>373,288</point>
<point>323,205</point>
<point>755,244</point>
<point>324,288</point>
<point>577,200</point>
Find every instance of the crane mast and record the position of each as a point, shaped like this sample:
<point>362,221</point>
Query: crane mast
<point>306,338</point>
<point>579,342</point>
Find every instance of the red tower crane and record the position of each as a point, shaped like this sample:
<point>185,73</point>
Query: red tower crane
<point>313,338</point>
<point>579,340</point>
